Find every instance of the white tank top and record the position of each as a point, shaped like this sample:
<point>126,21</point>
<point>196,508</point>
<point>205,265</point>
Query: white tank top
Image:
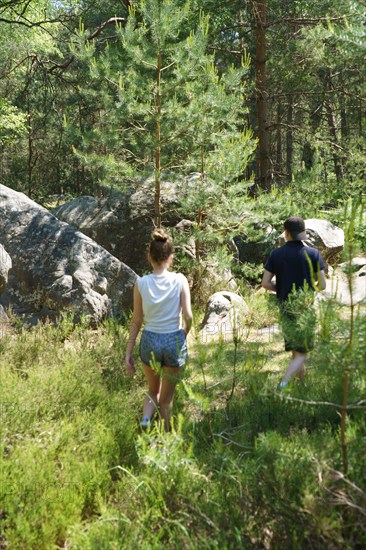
<point>161,301</point>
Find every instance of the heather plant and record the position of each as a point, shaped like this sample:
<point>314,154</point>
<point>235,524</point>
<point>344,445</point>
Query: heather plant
<point>243,466</point>
<point>60,433</point>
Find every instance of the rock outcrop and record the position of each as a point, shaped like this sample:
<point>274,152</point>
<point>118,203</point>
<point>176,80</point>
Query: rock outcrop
<point>57,268</point>
<point>5,266</point>
<point>338,286</point>
<point>122,222</point>
<point>224,316</point>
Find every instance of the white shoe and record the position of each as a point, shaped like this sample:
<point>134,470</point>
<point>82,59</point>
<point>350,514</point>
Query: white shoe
<point>145,422</point>
<point>282,385</point>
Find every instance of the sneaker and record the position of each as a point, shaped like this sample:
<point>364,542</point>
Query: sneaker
<point>145,422</point>
<point>282,385</point>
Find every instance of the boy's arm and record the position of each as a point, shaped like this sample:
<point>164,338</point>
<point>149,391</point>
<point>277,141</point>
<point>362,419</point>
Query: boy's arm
<point>267,281</point>
<point>322,283</point>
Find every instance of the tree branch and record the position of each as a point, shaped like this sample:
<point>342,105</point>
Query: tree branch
<point>98,30</point>
<point>298,21</point>
<point>104,24</point>
<point>352,406</point>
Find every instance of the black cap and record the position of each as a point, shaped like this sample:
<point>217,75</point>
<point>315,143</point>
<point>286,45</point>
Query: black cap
<point>296,227</point>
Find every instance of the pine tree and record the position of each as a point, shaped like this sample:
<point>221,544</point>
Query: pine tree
<point>164,106</point>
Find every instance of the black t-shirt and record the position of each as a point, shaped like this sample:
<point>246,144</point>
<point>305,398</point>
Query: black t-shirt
<point>291,265</point>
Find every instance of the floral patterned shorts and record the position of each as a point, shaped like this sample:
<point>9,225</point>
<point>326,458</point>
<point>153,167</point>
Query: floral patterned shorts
<point>167,350</point>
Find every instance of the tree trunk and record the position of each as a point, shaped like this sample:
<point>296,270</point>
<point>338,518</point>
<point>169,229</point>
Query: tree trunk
<point>263,155</point>
<point>30,160</point>
<point>344,121</point>
<point>334,137</point>
<point>279,169</point>
<point>332,124</point>
<point>157,208</point>
<point>289,140</point>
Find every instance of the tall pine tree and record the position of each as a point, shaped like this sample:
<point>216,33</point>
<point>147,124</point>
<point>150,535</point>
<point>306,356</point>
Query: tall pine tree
<point>163,105</point>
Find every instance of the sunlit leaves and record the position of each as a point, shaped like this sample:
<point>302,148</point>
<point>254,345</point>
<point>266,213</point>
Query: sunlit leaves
<point>13,123</point>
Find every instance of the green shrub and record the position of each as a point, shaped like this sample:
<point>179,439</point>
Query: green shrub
<point>244,466</point>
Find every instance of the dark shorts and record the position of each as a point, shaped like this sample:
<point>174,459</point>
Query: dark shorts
<point>169,350</point>
<point>298,330</point>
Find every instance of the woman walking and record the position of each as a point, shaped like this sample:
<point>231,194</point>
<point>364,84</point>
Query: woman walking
<point>160,298</point>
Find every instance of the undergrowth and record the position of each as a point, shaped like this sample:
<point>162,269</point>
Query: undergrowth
<point>244,466</point>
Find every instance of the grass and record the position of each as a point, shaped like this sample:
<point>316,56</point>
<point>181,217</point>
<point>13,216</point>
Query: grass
<point>244,467</point>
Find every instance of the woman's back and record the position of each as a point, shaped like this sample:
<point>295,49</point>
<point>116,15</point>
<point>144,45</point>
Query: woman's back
<point>161,301</point>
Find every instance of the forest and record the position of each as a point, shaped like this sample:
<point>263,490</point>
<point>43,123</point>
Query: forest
<point>227,117</point>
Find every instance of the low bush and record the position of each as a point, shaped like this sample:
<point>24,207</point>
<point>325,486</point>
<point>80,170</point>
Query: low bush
<point>243,467</point>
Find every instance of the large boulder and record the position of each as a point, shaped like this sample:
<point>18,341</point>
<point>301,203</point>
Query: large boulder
<point>4,322</point>
<point>325,236</point>
<point>5,266</point>
<point>338,285</point>
<point>57,268</point>
<point>122,222</point>
<point>224,316</point>
<point>188,246</point>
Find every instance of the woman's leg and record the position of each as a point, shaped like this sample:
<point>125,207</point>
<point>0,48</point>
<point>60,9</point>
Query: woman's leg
<point>151,400</point>
<point>169,380</point>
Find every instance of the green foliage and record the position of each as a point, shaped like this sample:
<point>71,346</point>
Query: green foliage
<point>13,123</point>
<point>60,430</point>
<point>104,89</point>
<point>163,106</point>
<point>262,308</point>
<point>298,319</point>
<point>242,467</point>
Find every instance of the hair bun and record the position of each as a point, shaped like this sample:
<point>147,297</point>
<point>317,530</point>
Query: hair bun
<point>160,235</point>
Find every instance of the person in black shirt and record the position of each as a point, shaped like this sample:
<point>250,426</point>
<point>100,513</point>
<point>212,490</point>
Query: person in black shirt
<point>299,270</point>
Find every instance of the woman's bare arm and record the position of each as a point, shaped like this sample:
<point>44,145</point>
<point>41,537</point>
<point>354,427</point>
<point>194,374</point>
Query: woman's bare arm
<point>135,326</point>
<point>185,300</point>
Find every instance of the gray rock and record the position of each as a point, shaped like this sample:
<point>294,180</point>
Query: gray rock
<point>325,236</point>
<point>56,267</point>
<point>356,264</point>
<point>5,266</point>
<point>4,322</point>
<point>122,222</point>
<point>338,287</point>
<point>224,316</point>
<point>3,316</point>
<point>219,276</point>
<point>185,227</point>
